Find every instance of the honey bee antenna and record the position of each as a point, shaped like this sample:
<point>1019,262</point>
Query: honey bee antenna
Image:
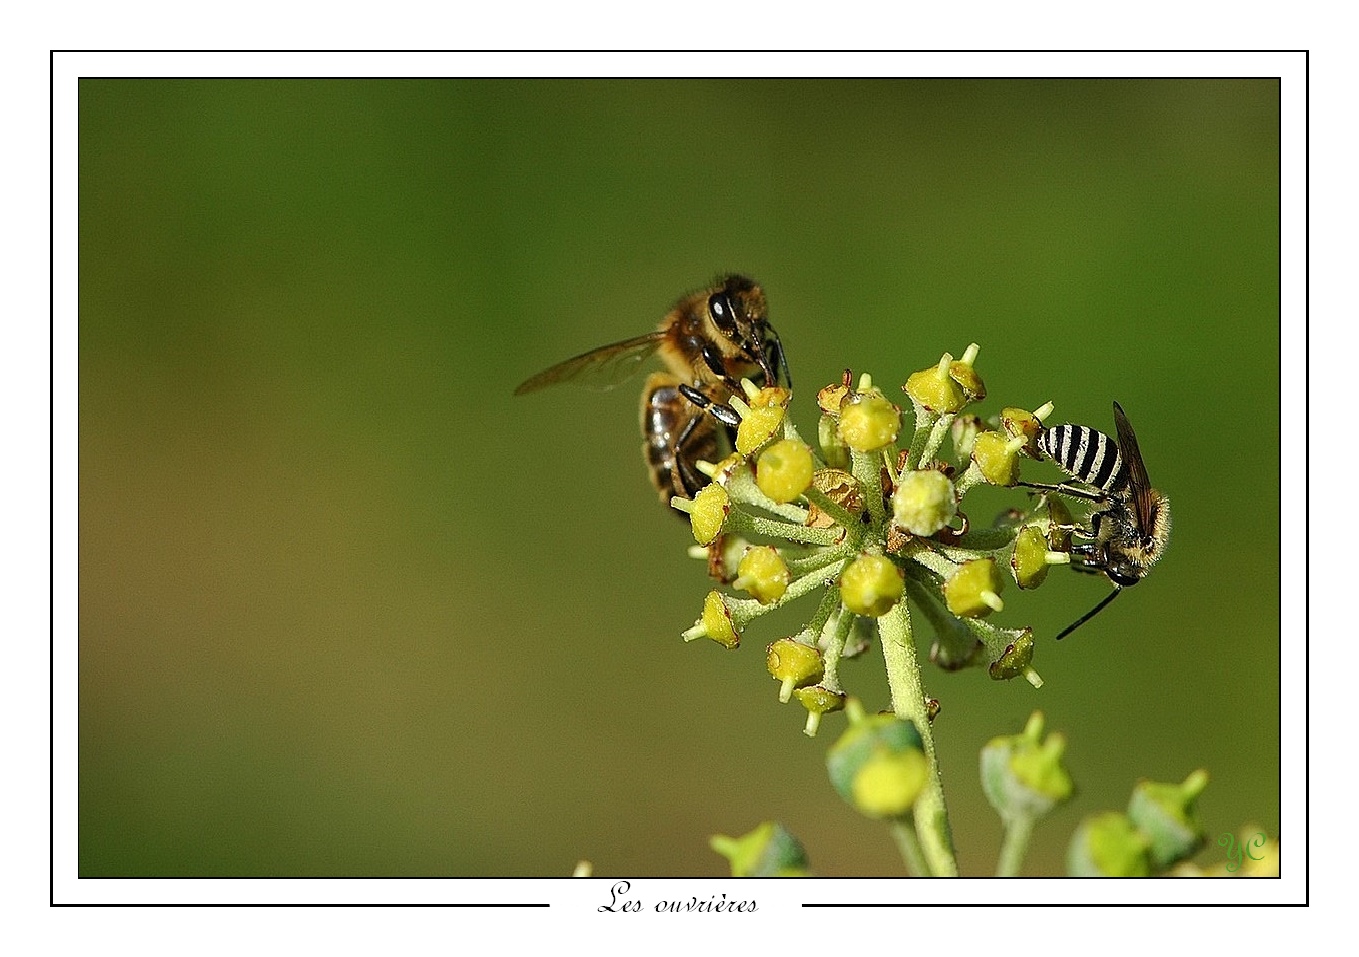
<point>1089,614</point>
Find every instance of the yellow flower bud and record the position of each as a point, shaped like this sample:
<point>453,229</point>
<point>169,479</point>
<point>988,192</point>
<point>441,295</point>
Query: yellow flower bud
<point>871,585</point>
<point>869,422</point>
<point>784,470</point>
<point>763,573</point>
<point>998,457</point>
<point>710,509</point>
<point>973,591</point>
<point>757,427</point>
<point>935,389</point>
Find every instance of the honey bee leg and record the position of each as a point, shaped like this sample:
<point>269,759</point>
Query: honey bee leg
<point>722,413</point>
<point>779,360</point>
<point>712,358</point>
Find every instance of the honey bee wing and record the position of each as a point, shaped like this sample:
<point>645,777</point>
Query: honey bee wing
<point>601,368</point>
<point>1138,482</point>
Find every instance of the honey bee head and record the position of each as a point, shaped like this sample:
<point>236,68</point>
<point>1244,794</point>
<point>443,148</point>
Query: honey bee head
<point>739,313</point>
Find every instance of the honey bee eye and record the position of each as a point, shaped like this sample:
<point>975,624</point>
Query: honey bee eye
<point>723,316</point>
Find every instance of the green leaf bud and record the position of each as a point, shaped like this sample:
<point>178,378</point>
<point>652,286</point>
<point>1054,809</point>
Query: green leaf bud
<point>997,456</point>
<point>871,585</point>
<point>768,851</point>
<point>1168,816</point>
<point>973,590</point>
<point>869,422</point>
<point>715,623</point>
<point>1022,774</point>
<point>793,664</point>
<point>879,766</point>
<point>1108,845</point>
<point>935,389</point>
<point>818,700</point>
<point>1029,557</point>
<point>784,470</point>
<point>763,573</point>
<point>711,506</point>
<point>924,502</point>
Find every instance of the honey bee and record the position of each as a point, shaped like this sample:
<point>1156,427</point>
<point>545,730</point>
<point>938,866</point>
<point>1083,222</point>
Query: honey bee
<point>1130,526</point>
<point>708,341</point>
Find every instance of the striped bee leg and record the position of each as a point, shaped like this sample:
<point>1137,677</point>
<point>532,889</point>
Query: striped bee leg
<point>1065,489</point>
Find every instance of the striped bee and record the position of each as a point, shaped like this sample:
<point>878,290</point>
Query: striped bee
<point>1130,525</point>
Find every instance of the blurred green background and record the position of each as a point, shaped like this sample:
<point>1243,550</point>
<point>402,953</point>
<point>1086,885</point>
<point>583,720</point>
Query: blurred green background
<point>347,607</point>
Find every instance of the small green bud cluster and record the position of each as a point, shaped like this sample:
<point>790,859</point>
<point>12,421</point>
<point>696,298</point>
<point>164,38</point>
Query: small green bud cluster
<point>1160,829</point>
<point>878,765</point>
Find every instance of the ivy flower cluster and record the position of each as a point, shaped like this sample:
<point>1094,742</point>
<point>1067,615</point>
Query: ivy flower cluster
<point>872,517</point>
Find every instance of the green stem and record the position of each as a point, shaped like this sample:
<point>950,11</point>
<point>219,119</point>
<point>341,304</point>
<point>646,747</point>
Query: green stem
<point>908,702</point>
<point>1018,830</point>
<point>866,468</point>
<point>908,842</point>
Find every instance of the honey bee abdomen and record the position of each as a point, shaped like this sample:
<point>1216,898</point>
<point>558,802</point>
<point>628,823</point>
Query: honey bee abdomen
<point>1086,455</point>
<point>666,419</point>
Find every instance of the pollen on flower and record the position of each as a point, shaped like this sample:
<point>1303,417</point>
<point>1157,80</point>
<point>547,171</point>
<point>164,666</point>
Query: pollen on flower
<point>924,502</point>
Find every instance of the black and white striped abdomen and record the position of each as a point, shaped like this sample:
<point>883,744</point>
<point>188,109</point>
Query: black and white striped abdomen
<point>1086,455</point>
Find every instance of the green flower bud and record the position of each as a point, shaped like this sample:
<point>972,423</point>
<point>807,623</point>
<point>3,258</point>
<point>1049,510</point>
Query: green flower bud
<point>871,585</point>
<point>1016,660</point>
<point>879,766</point>
<point>1059,524</point>
<point>793,664</point>
<point>1167,815</point>
<point>818,700</point>
<point>768,851</point>
<point>964,430</point>
<point>973,591</point>
<point>869,422</point>
<point>711,506</point>
<point>1022,774</point>
<point>762,572</point>
<point>715,623</point>
<point>784,470</point>
<point>1107,845</point>
<point>1029,557</point>
<point>924,502</point>
<point>833,447</point>
<point>997,457</point>
<point>935,389</point>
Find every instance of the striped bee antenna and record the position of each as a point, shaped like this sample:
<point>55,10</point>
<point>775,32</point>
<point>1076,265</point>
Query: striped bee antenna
<point>1090,614</point>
